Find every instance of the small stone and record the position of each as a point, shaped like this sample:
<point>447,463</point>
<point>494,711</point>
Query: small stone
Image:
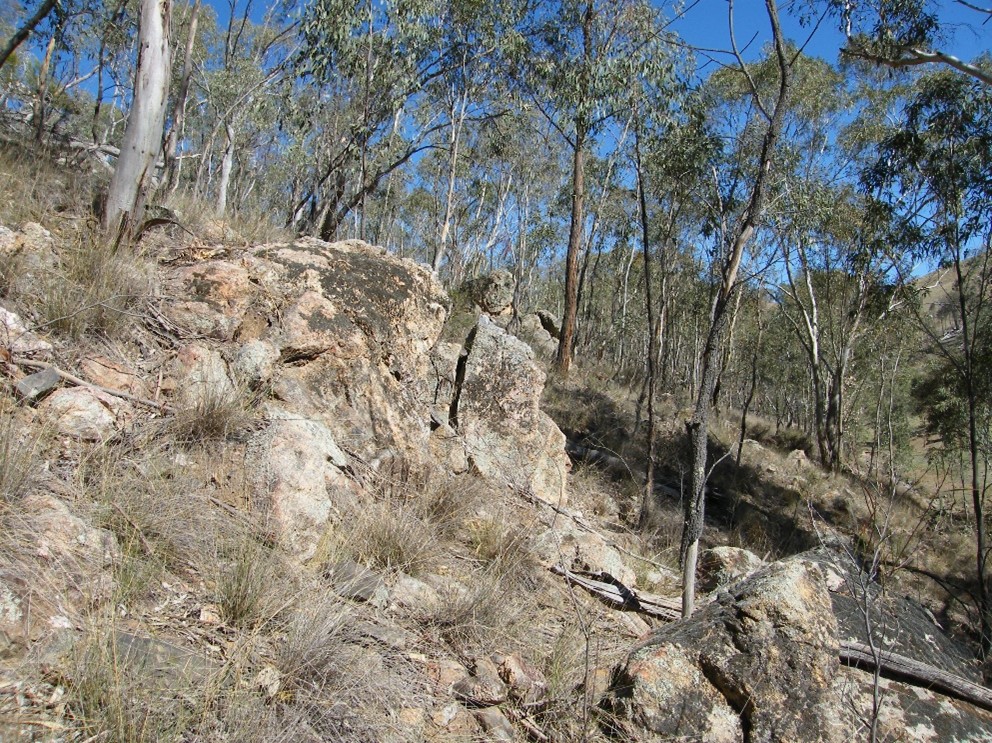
<point>36,386</point>
<point>413,720</point>
<point>413,594</point>
<point>527,684</point>
<point>209,614</point>
<point>254,363</point>
<point>447,673</point>
<point>483,687</point>
<point>495,724</point>
<point>388,636</point>
<point>6,239</point>
<point>596,684</point>
<point>269,680</point>
<point>722,566</point>
<point>357,582</point>
<point>456,720</point>
<point>18,339</point>
<point>107,373</point>
<point>82,413</point>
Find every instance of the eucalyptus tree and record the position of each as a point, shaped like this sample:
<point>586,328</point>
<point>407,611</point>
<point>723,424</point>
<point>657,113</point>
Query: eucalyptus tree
<point>907,33</point>
<point>177,125</point>
<point>63,58</point>
<point>372,62</point>
<point>471,95</point>
<point>934,197</point>
<point>832,292</point>
<point>142,144</point>
<point>239,69</point>
<point>579,62</point>
<point>24,30</point>
<point>728,258</point>
<point>673,150</point>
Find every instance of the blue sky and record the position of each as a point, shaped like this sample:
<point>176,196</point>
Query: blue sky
<point>705,24</point>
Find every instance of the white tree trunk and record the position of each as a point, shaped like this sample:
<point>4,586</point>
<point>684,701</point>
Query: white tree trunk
<point>143,135</point>
<point>225,170</point>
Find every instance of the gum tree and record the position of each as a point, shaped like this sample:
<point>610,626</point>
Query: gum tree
<point>143,136</point>
<point>577,68</point>
<point>934,195</point>
<point>772,111</point>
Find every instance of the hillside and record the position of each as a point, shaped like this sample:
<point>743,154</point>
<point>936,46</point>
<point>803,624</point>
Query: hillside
<point>288,490</point>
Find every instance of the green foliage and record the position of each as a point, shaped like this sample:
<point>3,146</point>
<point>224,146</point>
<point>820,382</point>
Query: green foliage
<point>931,176</point>
<point>943,394</point>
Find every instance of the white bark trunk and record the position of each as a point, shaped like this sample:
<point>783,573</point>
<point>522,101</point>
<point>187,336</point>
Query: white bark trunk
<point>143,135</point>
<point>225,170</point>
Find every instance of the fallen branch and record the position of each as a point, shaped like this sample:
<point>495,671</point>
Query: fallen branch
<point>137,530</point>
<point>72,379</point>
<point>618,596</point>
<point>907,670</point>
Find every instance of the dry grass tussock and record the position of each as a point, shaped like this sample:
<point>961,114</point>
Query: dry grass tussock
<point>307,676</point>
<point>389,535</point>
<point>93,289</point>
<point>35,188</point>
<point>200,223</point>
<point>214,413</point>
<point>18,462</point>
<point>81,287</point>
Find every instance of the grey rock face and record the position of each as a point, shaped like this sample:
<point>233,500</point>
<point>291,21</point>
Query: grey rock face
<point>496,410</point>
<point>36,386</point>
<point>493,293</point>
<point>757,665</point>
<point>722,566</point>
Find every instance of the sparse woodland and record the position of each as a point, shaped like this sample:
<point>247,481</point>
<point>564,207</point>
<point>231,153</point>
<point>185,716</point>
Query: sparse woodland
<point>760,282</point>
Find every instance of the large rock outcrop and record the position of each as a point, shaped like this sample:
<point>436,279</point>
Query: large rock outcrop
<point>755,665</point>
<point>495,409</point>
<point>762,663</point>
<point>345,337</point>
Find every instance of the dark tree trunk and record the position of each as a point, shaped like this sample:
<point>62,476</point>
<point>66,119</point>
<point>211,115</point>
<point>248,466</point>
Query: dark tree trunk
<point>24,31</point>
<point>563,360</point>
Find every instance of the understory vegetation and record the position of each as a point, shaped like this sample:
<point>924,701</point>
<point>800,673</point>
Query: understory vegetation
<point>769,286</point>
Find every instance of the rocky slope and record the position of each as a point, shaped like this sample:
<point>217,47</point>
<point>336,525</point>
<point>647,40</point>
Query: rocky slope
<point>282,501</point>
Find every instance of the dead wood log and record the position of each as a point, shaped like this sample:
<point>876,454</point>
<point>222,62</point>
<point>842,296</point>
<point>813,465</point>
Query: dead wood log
<point>915,673</point>
<point>618,596</point>
<point>72,379</point>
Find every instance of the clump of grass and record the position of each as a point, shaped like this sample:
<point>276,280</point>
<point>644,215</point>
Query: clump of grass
<point>35,188</point>
<point>592,490</point>
<point>391,535</point>
<point>17,459</point>
<point>146,498</point>
<point>569,672</point>
<point>11,269</point>
<point>310,654</point>
<point>214,412</point>
<point>477,617</point>
<point>239,227</point>
<point>446,500</point>
<point>93,289</point>
<point>117,697</point>
<point>252,585</point>
<point>504,548</point>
